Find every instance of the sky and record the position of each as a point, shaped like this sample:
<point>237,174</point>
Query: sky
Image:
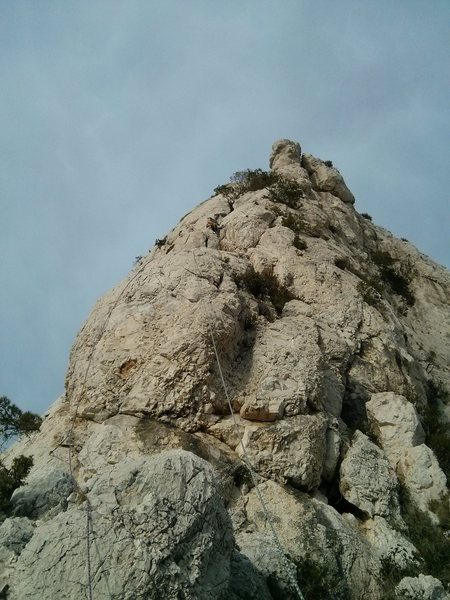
<point>118,117</point>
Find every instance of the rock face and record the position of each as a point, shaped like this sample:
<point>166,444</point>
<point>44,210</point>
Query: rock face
<point>161,530</point>
<point>367,481</point>
<point>333,345</point>
<point>395,423</point>
<point>423,587</point>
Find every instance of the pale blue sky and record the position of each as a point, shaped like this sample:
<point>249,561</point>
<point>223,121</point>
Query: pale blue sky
<point>116,118</point>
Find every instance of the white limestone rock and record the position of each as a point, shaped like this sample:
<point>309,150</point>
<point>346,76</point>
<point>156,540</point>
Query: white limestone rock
<point>423,587</point>
<point>43,498</point>
<point>264,409</point>
<point>327,179</point>
<point>143,379</point>
<point>321,536</point>
<point>285,158</point>
<point>421,474</point>
<point>390,545</point>
<point>161,530</point>
<point>286,367</point>
<point>367,479</point>
<point>333,449</point>
<point>395,423</point>
<point>289,451</point>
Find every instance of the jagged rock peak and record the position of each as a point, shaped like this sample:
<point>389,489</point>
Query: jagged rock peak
<point>285,152</point>
<point>334,347</point>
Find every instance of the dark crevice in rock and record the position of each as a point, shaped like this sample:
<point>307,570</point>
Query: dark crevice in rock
<point>337,500</point>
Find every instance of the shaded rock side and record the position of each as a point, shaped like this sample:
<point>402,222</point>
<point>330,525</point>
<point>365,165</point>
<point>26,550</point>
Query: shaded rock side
<point>161,530</point>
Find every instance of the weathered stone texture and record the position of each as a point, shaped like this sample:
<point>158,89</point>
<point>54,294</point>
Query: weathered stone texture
<point>316,345</point>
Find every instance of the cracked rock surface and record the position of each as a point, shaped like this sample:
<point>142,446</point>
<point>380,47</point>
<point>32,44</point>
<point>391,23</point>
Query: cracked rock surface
<point>334,344</point>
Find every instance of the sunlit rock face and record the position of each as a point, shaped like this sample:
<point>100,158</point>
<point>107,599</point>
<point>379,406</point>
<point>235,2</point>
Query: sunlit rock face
<point>334,344</point>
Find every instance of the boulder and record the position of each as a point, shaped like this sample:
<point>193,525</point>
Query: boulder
<point>395,423</point>
<point>368,481</point>
<point>332,558</point>
<point>420,472</point>
<point>159,530</point>
<point>43,497</point>
<point>285,158</point>
<point>423,587</point>
<point>15,533</point>
<point>326,178</point>
<point>291,450</point>
<point>391,546</point>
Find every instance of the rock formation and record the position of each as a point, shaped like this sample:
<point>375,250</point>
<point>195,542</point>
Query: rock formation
<point>310,468</point>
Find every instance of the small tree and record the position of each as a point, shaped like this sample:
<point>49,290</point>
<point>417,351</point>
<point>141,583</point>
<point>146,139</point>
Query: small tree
<point>14,422</point>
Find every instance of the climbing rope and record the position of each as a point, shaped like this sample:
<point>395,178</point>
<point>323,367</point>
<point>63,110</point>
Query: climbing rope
<point>88,544</point>
<point>254,476</point>
<point>89,532</point>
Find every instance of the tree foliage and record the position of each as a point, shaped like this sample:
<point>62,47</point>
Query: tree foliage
<point>13,423</point>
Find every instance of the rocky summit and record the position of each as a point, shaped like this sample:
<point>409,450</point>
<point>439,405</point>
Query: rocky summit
<point>258,411</point>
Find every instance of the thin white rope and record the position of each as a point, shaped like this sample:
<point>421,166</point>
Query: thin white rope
<point>70,439</point>
<point>88,546</point>
<point>288,565</point>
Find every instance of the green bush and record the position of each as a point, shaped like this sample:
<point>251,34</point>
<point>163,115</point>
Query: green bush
<point>293,222</point>
<point>436,431</point>
<point>245,181</point>
<point>280,189</point>
<point>391,576</point>
<point>430,540</point>
<point>296,224</point>
<point>253,180</point>
<point>371,292</point>
<point>11,479</point>
<point>264,286</point>
<point>398,282</point>
<point>366,216</point>
<point>285,191</point>
<point>314,580</point>
<point>14,422</point>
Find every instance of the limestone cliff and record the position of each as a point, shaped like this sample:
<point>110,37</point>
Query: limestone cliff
<point>333,339</point>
